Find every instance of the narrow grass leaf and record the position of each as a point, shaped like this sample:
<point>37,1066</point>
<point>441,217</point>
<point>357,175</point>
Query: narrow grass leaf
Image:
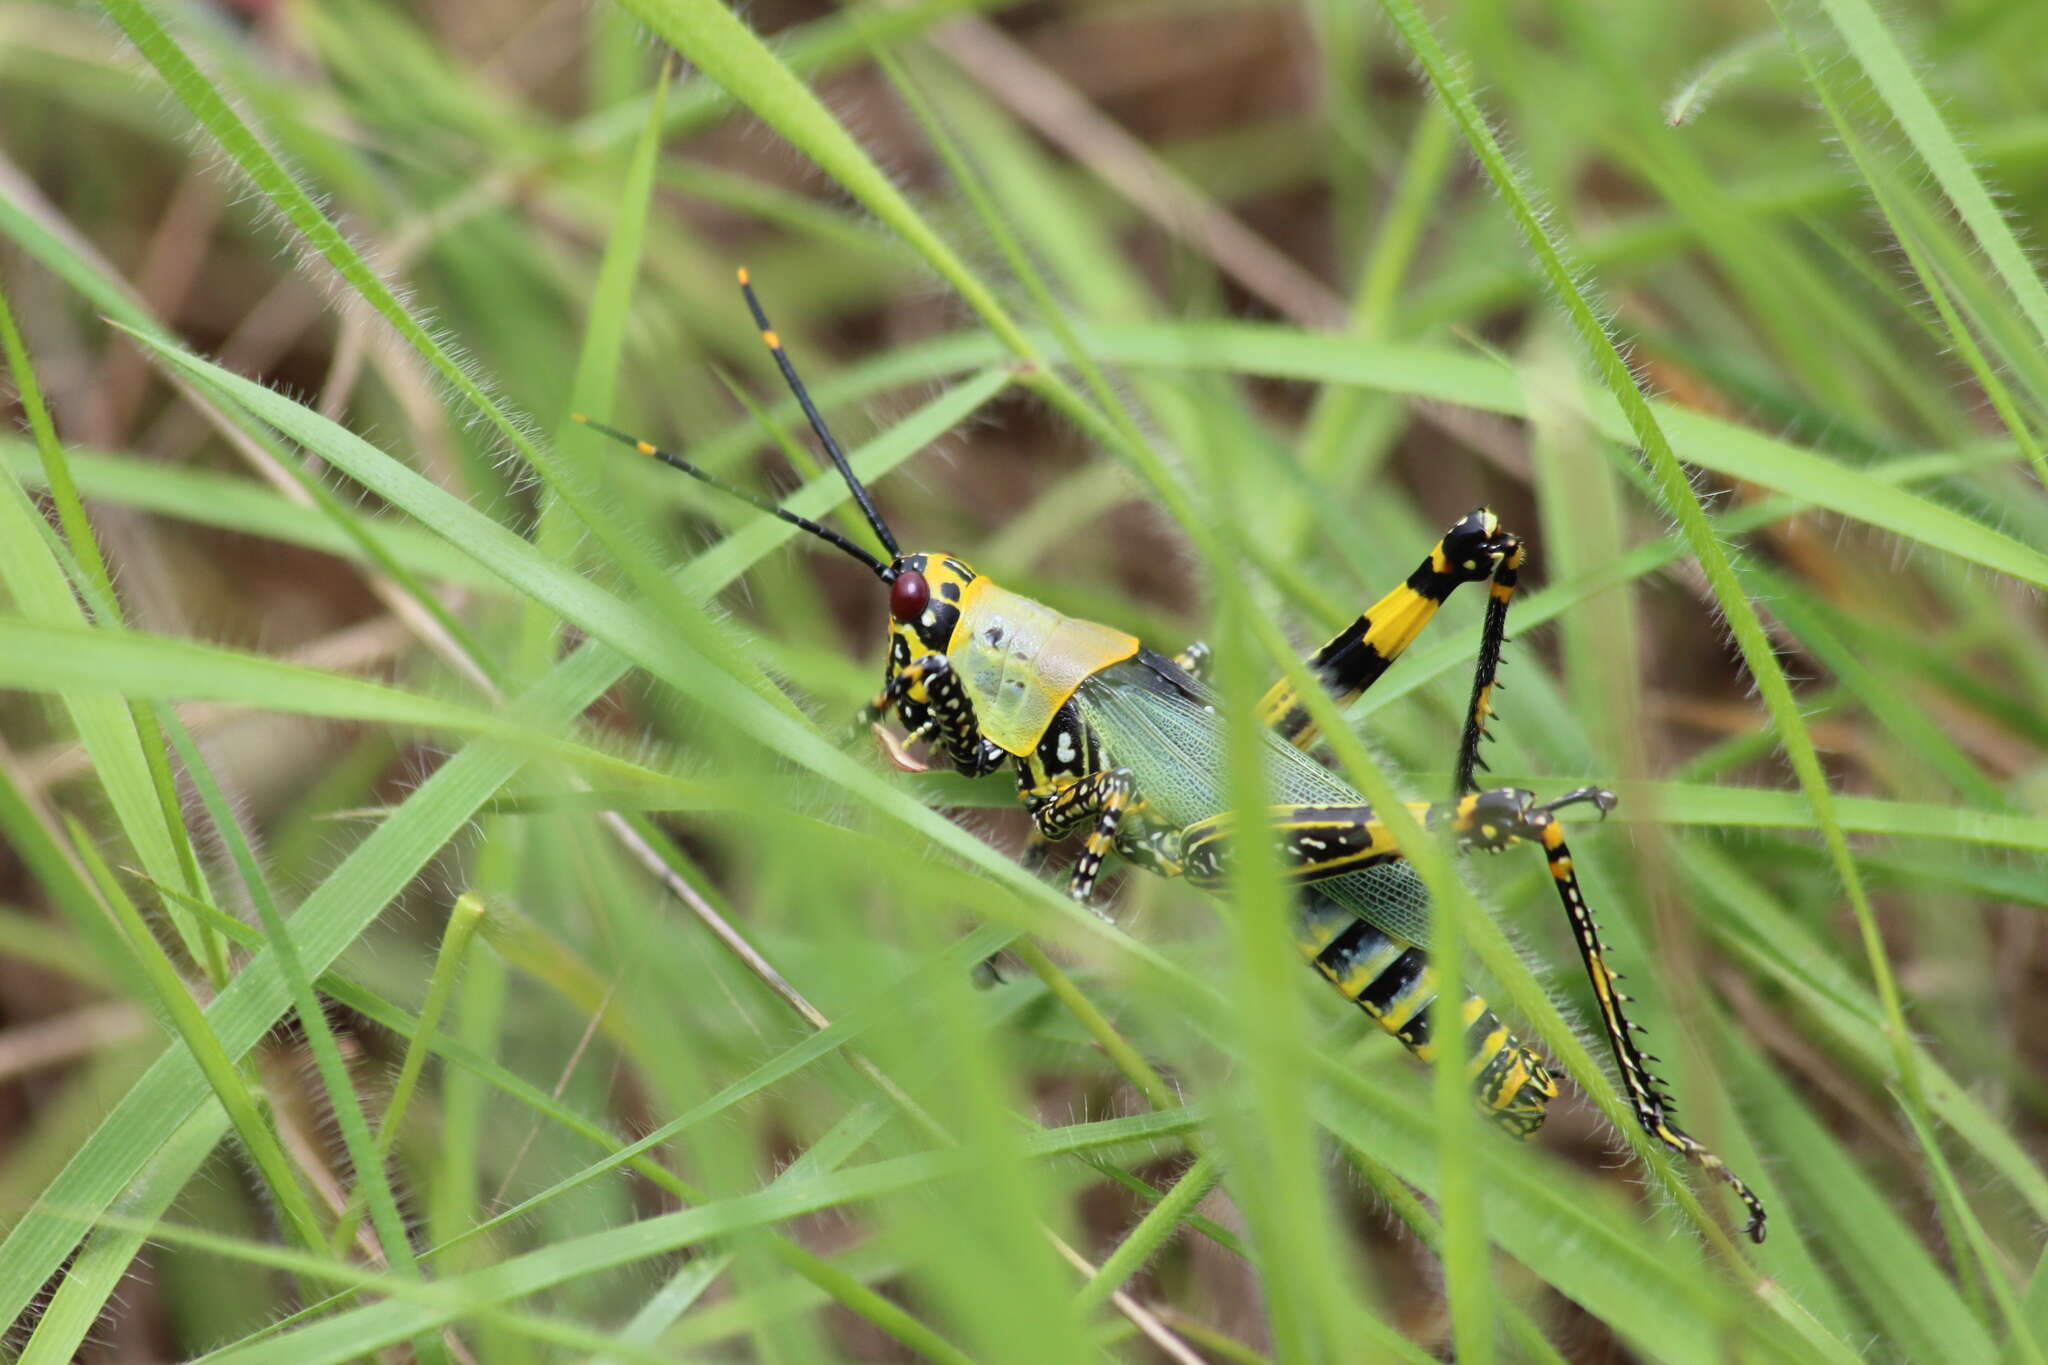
<point>727,51</point>
<point>364,882</point>
<point>105,725</point>
<point>108,1256</point>
<point>174,998</point>
<point>349,1334</point>
<point>1892,73</point>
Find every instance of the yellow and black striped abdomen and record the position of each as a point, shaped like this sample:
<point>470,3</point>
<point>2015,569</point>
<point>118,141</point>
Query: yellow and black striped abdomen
<point>1391,980</point>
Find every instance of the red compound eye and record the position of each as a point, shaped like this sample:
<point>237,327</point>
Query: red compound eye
<point>909,595</point>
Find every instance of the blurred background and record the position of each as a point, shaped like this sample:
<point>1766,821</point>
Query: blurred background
<point>1320,310</point>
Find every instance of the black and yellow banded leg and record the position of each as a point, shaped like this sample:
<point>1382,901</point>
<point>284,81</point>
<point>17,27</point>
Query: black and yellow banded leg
<point>1470,552</point>
<point>1496,819</point>
<point>1196,660</point>
<point>927,696</point>
<point>1485,677</point>
<point>1317,842</point>
<point>1314,842</point>
<point>1392,982</point>
<point>1105,797</point>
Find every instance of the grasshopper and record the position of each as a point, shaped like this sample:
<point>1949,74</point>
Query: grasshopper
<point>1122,746</point>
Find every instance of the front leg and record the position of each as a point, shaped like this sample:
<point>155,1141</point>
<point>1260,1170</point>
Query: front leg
<point>927,696</point>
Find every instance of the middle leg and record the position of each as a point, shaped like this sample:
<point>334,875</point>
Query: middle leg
<point>1105,797</point>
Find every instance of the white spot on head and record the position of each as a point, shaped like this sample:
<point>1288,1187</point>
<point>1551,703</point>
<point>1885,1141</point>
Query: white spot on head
<point>1065,751</point>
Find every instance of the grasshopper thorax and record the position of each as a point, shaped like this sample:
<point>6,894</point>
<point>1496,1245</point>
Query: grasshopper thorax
<point>1017,661</point>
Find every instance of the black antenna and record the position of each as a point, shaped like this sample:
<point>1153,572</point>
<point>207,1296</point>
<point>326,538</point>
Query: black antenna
<point>824,533</point>
<point>803,400</point>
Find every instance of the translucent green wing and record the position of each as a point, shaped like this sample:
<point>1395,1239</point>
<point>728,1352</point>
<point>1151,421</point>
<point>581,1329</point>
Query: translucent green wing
<point>1159,723</point>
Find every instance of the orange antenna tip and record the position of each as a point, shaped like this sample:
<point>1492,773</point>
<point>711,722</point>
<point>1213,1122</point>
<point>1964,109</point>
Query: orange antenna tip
<point>744,277</point>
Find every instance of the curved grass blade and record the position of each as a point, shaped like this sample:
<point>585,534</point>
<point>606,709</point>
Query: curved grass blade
<point>1874,495</point>
<point>291,199</point>
<point>1417,370</point>
<point>144,801</point>
<point>75,659</point>
<point>372,874</point>
<point>727,51</point>
<point>593,387</point>
<point>366,1158</point>
<point>204,1046</point>
<point>207,497</point>
<point>1752,924</point>
<point>109,1253</point>
<point>1908,1294</point>
<point>422,1308</point>
<point>1891,72</point>
<point>1683,503</point>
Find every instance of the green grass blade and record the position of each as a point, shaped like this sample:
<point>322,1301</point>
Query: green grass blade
<point>1903,1287</point>
<point>593,389</point>
<point>1724,447</point>
<point>343,1102</point>
<point>104,725</point>
<point>727,51</point>
<point>296,204</point>
<point>349,900</point>
<point>206,497</point>
<point>1892,73</point>
<point>347,1335</point>
<point>229,1087</point>
<point>1680,499</point>
<point>108,1256</point>
<point>1161,1221</point>
<point>74,660</point>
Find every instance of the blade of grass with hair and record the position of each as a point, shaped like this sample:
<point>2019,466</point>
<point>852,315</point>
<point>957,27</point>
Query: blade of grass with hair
<point>508,210</point>
<point>414,1308</point>
<point>108,1254</point>
<point>510,557</point>
<point>1681,501</point>
<point>1891,72</point>
<point>127,754</point>
<point>1753,924</point>
<point>350,898</point>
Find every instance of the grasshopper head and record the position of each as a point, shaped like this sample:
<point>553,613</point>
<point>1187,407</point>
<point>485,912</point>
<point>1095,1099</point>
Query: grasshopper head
<point>926,590</point>
<point>925,593</point>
